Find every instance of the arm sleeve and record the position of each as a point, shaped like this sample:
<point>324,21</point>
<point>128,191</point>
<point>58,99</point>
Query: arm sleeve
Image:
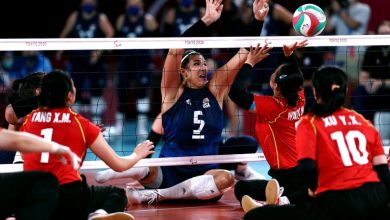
<point>238,93</point>
<point>199,29</point>
<point>308,172</point>
<point>383,173</point>
<point>155,138</point>
<point>23,107</point>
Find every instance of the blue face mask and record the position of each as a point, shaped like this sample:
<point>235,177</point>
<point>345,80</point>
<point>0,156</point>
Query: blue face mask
<point>7,63</point>
<point>88,8</point>
<point>186,3</point>
<point>133,10</point>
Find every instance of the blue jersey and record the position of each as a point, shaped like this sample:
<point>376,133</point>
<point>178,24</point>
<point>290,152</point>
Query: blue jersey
<point>184,20</point>
<point>87,28</point>
<point>192,127</point>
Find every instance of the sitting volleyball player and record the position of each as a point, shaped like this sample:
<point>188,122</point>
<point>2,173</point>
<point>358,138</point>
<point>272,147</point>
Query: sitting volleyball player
<point>55,120</point>
<point>184,101</point>
<point>341,160</point>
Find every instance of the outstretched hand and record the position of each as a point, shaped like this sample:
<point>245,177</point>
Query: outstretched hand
<point>260,9</point>
<point>289,49</point>
<point>257,54</point>
<point>144,149</point>
<point>213,11</point>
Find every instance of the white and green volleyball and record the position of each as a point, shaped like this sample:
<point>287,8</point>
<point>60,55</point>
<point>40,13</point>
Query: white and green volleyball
<point>309,20</point>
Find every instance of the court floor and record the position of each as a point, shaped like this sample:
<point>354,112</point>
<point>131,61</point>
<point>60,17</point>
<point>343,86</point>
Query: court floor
<point>227,208</point>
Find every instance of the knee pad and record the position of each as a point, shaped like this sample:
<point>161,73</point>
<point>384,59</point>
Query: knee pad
<point>203,187</point>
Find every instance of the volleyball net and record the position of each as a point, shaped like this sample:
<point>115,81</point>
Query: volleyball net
<point>118,79</point>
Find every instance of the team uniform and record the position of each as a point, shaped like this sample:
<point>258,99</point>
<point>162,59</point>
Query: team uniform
<point>193,127</point>
<point>343,145</point>
<point>39,191</point>
<point>68,128</point>
<point>275,129</point>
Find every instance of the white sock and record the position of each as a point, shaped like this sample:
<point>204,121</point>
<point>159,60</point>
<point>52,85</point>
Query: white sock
<point>135,173</point>
<point>199,187</point>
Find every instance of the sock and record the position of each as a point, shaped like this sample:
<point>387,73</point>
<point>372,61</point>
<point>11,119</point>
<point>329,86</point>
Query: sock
<point>199,187</point>
<point>136,173</point>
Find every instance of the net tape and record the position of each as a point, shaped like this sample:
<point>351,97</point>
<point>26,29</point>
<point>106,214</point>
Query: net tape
<point>185,42</point>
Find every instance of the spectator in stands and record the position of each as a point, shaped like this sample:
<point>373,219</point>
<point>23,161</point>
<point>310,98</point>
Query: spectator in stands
<point>374,85</point>
<point>348,17</point>
<point>134,65</point>
<point>180,17</point>
<point>9,68</point>
<point>87,67</point>
<point>34,61</point>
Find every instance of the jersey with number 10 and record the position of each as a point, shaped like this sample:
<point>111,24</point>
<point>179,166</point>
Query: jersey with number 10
<point>343,145</point>
<point>66,127</point>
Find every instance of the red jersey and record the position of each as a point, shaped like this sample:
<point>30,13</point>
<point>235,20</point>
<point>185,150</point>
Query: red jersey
<point>63,126</point>
<point>343,145</point>
<point>275,129</point>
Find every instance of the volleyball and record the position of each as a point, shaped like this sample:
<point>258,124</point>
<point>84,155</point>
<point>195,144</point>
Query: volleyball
<point>309,20</point>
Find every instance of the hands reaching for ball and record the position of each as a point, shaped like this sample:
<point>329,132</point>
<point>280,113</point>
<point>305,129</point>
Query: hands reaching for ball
<point>213,11</point>
<point>257,54</point>
<point>289,49</point>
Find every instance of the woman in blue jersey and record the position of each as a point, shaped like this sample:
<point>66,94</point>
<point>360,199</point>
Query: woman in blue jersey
<point>192,119</point>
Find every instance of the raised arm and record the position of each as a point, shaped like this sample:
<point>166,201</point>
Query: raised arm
<point>238,92</point>
<point>170,83</point>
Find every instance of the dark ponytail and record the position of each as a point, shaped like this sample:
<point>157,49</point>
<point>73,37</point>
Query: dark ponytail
<point>330,85</point>
<point>290,81</point>
<point>25,87</point>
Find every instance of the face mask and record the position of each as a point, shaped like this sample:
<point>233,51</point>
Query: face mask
<point>133,10</point>
<point>88,8</point>
<point>186,3</point>
<point>7,63</point>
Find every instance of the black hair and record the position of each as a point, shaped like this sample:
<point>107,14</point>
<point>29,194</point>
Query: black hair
<point>330,85</point>
<point>25,87</point>
<point>289,78</point>
<point>55,87</point>
<point>186,57</point>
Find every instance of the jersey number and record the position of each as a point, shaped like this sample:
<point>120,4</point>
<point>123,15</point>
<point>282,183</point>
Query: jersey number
<point>47,135</point>
<point>347,147</point>
<point>196,133</point>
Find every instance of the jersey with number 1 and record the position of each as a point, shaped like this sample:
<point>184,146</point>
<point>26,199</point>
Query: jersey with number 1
<point>193,126</point>
<point>343,145</point>
<point>66,127</point>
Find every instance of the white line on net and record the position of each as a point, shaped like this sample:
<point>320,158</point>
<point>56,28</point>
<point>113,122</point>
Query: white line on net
<point>168,161</point>
<point>185,42</point>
